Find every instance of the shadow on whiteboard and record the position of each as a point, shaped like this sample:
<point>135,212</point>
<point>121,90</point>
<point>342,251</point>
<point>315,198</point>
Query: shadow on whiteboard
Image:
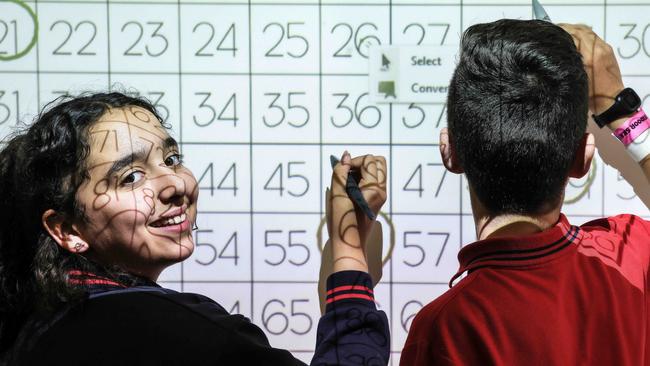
<point>613,153</point>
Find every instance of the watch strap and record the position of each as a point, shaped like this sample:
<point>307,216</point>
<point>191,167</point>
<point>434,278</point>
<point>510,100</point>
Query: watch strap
<point>609,116</point>
<point>625,103</point>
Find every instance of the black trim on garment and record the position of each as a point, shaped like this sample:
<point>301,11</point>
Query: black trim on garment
<point>571,237</point>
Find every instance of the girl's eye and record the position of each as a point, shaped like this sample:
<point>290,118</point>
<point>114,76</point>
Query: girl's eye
<point>133,177</point>
<point>173,160</point>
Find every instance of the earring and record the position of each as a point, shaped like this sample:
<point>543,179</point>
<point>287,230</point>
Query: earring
<point>195,227</point>
<point>78,246</point>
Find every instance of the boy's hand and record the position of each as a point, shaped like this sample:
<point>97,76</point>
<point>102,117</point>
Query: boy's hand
<point>605,81</point>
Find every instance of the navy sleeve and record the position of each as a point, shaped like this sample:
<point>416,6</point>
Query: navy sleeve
<point>352,331</point>
<point>251,347</point>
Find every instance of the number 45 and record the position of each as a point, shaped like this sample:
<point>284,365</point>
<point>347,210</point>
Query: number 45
<point>276,180</point>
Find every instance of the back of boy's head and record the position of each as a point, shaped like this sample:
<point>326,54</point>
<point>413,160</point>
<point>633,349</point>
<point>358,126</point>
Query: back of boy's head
<point>517,112</point>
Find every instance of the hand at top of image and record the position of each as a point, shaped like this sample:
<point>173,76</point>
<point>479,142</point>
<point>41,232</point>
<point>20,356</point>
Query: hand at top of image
<point>605,80</point>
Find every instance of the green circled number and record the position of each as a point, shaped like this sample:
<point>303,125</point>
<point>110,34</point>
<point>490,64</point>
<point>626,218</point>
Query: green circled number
<point>32,42</point>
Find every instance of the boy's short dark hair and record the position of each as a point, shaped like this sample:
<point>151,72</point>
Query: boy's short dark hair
<point>517,110</point>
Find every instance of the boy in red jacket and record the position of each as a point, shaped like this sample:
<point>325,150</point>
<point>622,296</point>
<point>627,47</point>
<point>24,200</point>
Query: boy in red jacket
<point>538,290</point>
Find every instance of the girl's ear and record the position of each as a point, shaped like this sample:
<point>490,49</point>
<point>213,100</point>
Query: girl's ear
<point>63,232</point>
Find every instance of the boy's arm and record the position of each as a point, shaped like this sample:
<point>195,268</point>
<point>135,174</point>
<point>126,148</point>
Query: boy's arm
<point>605,82</point>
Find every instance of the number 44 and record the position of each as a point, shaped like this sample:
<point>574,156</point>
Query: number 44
<point>227,182</point>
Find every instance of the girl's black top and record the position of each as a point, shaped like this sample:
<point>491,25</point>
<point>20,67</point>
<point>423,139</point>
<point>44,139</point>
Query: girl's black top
<point>150,325</point>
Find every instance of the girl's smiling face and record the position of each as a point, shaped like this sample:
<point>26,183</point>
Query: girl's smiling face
<point>140,200</point>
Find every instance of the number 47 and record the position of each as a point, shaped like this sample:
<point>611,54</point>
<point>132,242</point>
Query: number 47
<point>416,180</point>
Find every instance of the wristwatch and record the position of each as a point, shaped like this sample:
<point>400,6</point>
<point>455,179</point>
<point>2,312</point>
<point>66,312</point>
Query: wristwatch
<point>625,103</point>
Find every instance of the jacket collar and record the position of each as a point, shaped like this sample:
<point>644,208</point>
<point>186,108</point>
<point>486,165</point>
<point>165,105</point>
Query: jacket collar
<point>518,251</point>
<point>96,283</point>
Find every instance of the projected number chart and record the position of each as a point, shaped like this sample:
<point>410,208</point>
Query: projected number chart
<point>259,94</point>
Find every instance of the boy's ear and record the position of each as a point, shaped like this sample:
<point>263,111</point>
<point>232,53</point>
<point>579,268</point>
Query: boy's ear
<point>63,231</point>
<point>448,154</point>
<point>584,156</point>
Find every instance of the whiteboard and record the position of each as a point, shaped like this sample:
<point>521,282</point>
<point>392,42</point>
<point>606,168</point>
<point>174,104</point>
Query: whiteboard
<point>259,94</point>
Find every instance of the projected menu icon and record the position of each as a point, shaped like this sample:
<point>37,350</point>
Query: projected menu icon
<point>410,74</point>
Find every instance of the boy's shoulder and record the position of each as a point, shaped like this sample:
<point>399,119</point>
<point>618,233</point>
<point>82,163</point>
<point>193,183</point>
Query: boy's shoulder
<point>621,242</point>
<point>448,307</point>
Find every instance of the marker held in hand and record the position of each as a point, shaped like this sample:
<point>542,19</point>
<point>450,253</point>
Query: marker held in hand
<point>354,192</point>
<point>539,12</point>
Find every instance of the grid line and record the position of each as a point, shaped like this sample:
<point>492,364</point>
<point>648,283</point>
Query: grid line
<point>250,118</point>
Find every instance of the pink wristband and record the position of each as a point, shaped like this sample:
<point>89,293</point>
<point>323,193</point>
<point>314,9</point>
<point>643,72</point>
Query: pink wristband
<point>633,128</point>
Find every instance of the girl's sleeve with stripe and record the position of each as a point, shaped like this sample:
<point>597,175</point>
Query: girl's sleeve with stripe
<point>352,331</point>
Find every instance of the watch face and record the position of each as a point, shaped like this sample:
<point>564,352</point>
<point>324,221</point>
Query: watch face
<point>629,100</point>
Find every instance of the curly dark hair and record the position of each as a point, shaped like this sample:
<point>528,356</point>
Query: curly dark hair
<point>41,168</point>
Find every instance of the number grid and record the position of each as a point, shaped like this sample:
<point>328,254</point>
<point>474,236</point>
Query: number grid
<point>262,197</point>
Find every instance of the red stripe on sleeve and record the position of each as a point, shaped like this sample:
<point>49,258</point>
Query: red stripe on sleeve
<point>348,288</point>
<point>349,296</point>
